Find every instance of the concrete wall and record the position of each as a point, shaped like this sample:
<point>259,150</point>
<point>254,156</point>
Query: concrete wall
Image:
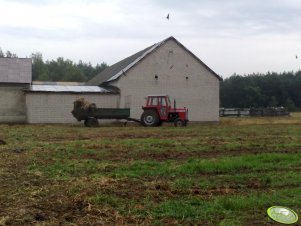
<point>57,107</point>
<point>12,103</point>
<point>180,76</point>
<point>15,70</point>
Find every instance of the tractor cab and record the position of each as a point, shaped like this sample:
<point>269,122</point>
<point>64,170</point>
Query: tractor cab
<point>160,103</point>
<point>158,109</point>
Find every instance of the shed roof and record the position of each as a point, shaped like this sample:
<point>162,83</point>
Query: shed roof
<point>67,89</point>
<point>115,71</point>
<point>15,70</point>
<point>58,83</point>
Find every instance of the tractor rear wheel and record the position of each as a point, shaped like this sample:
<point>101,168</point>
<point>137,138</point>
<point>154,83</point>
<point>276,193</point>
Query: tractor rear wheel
<point>179,123</point>
<point>149,118</point>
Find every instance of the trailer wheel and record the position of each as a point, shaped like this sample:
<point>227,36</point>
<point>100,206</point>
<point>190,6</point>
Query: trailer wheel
<point>149,118</point>
<point>179,123</point>
<point>91,122</point>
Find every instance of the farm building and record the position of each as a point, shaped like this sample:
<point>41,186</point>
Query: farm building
<point>166,67</point>
<point>15,75</point>
<point>49,102</point>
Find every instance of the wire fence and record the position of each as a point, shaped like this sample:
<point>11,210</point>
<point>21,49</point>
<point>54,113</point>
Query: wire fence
<point>259,112</point>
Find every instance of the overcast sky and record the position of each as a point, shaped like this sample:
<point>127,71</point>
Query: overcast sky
<point>230,36</point>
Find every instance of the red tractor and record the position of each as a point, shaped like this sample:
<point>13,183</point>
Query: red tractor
<point>158,109</point>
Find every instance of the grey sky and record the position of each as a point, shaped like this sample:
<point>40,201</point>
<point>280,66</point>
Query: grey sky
<point>241,36</point>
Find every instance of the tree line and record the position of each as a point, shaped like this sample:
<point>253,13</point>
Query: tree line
<point>60,69</point>
<point>63,69</point>
<point>7,54</point>
<point>252,90</point>
<point>262,90</point>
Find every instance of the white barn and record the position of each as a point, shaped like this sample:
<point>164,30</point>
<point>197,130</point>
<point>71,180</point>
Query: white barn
<point>166,67</point>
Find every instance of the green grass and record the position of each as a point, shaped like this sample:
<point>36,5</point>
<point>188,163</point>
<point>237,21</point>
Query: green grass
<point>227,207</point>
<point>243,163</point>
<point>225,174</point>
<point>106,200</point>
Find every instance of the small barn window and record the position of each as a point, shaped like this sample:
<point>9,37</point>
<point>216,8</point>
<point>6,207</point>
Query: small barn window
<point>156,77</point>
<point>186,77</point>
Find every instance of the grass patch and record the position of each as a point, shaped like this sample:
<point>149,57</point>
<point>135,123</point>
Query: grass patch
<point>267,162</point>
<point>224,174</point>
<point>106,200</point>
<point>226,207</point>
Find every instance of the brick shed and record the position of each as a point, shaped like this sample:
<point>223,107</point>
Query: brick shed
<point>15,75</point>
<point>53,102</point>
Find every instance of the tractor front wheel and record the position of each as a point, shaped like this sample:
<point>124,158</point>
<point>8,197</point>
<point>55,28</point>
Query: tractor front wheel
<point>179,123</point>
<point>149,118</point>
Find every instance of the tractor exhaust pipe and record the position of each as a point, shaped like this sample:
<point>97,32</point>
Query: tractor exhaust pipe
<point>174,104</point>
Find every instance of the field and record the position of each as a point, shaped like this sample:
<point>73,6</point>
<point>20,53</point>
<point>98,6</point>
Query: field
<point>225,174</point>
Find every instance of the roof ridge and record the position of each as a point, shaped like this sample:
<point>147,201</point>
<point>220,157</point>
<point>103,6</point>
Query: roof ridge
<point>116,70</point>
<point>118,67</point>
<point>122,71</point>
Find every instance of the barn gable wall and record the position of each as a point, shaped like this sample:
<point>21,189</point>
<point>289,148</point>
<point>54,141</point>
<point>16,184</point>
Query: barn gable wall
<point>171,70</point>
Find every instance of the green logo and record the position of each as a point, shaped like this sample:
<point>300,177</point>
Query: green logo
<point>282,214</point>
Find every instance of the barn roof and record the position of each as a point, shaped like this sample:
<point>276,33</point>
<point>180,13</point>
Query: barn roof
<point>58,83</point>
<point>67,89</point>
<point>120,68</point>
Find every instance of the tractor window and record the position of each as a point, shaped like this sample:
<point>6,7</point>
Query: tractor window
<point>168,101</point>
<point>157,101</point>
<point>163,101</point>
<point>153,101</point>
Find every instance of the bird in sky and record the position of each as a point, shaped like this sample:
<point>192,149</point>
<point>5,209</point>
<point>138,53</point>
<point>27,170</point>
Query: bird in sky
<point>167,16</point>
<point>296,56</point>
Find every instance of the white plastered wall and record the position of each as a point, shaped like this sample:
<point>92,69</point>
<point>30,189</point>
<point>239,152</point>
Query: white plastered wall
<point>179,75</point>
<point>12,104</point>
<point>57,107</point>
